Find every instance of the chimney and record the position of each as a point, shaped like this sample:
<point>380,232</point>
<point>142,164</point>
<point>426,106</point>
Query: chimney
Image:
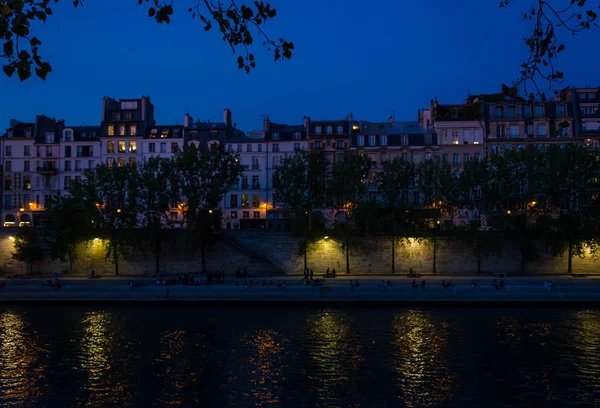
<point>349,117</point>
<point>391,119</point>
<point>306,122</point>
<point>266,123</point>
<point>187,120</point>
<point>227,118</point>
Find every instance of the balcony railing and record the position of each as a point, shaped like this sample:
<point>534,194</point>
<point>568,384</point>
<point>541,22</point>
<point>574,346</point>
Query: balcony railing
<point>47,170</point>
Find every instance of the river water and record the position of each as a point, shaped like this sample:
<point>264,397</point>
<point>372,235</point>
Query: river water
<point>61,356</point>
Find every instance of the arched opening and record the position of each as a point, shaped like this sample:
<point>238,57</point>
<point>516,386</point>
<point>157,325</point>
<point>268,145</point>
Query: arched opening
<point>25,220</point>
<point>9,220</point>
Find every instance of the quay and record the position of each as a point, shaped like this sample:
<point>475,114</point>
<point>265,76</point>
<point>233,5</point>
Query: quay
<point>525,290</point>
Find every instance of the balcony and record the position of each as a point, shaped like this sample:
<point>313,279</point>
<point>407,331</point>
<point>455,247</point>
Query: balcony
<point>47,170</point>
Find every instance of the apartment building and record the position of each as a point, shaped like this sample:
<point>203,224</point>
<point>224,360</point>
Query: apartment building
<point>515,123</point>
<point>124,125</point>
<point>332,136</point>
<point>80,148</point>
<point>459,130</point>
<point>30,178</point>
<point>586,113</point>
<point>162,141</point>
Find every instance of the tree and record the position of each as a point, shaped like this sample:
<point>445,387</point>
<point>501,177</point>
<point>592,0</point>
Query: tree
<point>474,197</point>
<point>239,24</point>
<point>571,179</point>
<point>27,247</point>
<point>68,223</point>
<point>156,198</point>
<point>544,45</point>
<point>111,194</point>
<point>200,179</point>
<point>349,189</point>
<point>300,184</point>
<point>397,188</point>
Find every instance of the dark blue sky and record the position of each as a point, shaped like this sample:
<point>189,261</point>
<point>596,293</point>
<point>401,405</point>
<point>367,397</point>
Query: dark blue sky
<point>364,57</point>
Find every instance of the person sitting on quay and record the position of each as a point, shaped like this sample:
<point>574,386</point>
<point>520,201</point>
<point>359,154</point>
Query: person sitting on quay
<point>449,285</point>
<point>423,284</point>
<point>474,284</point>
<point>443,284</point>
<point>414,284</point>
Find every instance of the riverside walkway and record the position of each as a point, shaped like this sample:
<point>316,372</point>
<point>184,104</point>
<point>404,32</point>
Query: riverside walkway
<point>526,290</point>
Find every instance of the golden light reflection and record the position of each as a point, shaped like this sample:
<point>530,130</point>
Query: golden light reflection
<point>178,375</point>
<point>336,352</point>
<point>586,333</point>
<point>98,344</point>
<point>421,362</point>
<point>20,369</point>
<point>266,361</point>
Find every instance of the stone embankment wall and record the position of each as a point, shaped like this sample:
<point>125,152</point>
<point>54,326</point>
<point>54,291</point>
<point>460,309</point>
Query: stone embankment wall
<point>174,258</point>
<point>373,255</point>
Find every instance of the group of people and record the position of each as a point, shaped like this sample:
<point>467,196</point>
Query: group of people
<point>215,277</point>
<point>55,282</point>
<point>330,273</point>
<point>446,285</point>
<point>249,284</point>
<point>415,285</point>
<point>137,284</point>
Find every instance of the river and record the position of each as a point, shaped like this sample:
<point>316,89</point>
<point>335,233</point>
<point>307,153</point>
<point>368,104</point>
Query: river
<point>76,356</point>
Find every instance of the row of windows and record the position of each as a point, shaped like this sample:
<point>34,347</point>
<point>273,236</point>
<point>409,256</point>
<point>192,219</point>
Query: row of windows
<point>121,146</point>
<point>233,201</point>
<point>456,158</point>
<point>469,136</point>
<point>295,135</point>
<point>163,147</point>
<point>339,130</point>
<point>25,201</point>
<point>589,110</point>
<point>245,215</point>
<point>122,130</point>
<point>259,148</point>
<point>120,161</point>
<point>255,182</point>
<point>586,95</point>
<point>372,140</point>
<point>515,112</point>
<point>540,131</point>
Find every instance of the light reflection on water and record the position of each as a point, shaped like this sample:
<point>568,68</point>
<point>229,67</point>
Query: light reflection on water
<point>420,358</point>
<point>345,357</point>
<point>21,371</point>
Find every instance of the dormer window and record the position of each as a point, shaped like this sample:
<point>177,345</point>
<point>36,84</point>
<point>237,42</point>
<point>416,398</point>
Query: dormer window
<point>129,105</point>
<point>510,112</point>
<point>329,130</point>
<point>317,130</point>
<point>340,130</point>
<point>111,130</point>
<point>275,135</point>
<point>297,135</point>
<point>499,112</point>
<point>68,135</point>
<point>49,138</point>
<point>164,133</point>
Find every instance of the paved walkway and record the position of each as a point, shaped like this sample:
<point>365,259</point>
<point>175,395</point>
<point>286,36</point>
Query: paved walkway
<point>516,290</point>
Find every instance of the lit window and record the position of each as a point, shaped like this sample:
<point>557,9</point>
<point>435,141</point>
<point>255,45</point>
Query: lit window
<point>133,130</point>
<point>245,202</point>
<point>121,161</point>
<point>132,146</point>
<point>121,146</point>
<point>121,130</point>
<point>110,147</point>
<point>110,162</point>
<point>111,130</point>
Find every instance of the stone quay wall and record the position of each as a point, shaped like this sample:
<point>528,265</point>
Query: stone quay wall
<point>264,253</point>
<point>373,255</point>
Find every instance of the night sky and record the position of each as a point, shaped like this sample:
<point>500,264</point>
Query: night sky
<point>364,57</point>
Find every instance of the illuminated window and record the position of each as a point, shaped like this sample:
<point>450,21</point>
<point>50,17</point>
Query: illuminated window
<point>121,130</point>
<point>245,201</point>
<point>121,161</point>
<point>255,201</point>
<point>121,146</point>
<point>133,130</point>
<point>132,146</point>
<point>110,147</point>
<point>110,162</point>
<point>111,130</point>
